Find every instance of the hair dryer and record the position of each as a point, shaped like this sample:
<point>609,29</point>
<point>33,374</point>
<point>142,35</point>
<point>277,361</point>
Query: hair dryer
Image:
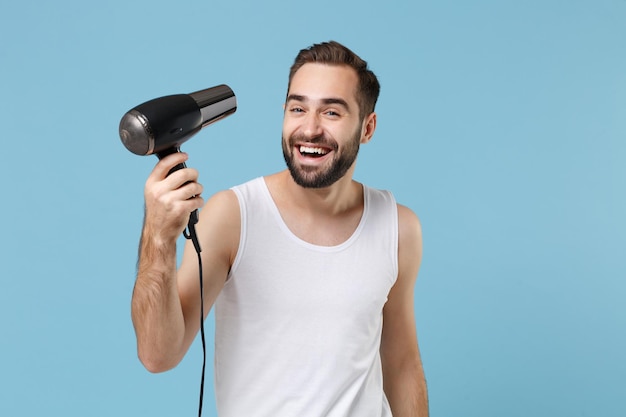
<point>161,125</point>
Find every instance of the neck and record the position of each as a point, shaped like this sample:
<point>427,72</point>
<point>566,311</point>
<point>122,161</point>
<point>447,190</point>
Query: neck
<point>321,216</point>
<point>338,198</point>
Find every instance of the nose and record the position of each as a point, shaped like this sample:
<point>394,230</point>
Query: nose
<point>312,126</point>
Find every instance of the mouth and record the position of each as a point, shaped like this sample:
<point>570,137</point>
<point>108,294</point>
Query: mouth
<point>313,151</point>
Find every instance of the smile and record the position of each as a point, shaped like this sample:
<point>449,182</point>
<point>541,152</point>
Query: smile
<point>313,151</point>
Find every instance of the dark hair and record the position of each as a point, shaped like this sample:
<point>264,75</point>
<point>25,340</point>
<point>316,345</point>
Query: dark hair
<point>334,53</point>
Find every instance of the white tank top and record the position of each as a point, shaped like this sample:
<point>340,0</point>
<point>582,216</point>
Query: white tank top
<point>298,326</point>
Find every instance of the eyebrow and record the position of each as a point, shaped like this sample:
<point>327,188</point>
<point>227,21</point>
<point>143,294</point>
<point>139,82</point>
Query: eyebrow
<point>331,100</point>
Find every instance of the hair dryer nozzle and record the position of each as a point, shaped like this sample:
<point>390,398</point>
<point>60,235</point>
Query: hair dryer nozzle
<point>215,103</point>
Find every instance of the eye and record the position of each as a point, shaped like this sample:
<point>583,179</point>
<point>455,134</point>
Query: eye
<point>296,109</point>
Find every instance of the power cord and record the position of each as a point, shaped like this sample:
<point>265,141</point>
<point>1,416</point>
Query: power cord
<point>190,233</point>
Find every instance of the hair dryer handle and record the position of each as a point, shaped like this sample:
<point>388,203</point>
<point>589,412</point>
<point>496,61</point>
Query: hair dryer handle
<point>193,217</point>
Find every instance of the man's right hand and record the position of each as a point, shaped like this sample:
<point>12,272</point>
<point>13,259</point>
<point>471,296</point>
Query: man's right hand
<point>171,198</point>
<point>165,306</point>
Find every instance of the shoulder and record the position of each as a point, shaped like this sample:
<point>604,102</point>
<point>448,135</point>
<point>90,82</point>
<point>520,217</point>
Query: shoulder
<point>409,226</point>
<point>409,241</point>
<point>220,224</point>
<point>408,222</point>
<point>223,202</point>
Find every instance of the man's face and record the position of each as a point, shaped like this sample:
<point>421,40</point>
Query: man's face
<point>322,129</point>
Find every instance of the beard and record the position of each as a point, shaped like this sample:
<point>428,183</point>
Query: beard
<point>321,176</point>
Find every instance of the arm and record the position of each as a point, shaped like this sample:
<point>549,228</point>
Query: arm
<point>403,376</point>
<point>165,303</point>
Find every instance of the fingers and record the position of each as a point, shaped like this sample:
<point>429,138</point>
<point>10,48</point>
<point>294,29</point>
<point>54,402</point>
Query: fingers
<point>163,167</point>
<point>188,191</point>
<point>170,199</point>
<point>176,179</point>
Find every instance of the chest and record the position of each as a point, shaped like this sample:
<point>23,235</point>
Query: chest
<point>282,278</point>
<point>327,231</point>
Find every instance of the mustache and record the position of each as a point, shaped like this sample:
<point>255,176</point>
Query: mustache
<point>321,140</point>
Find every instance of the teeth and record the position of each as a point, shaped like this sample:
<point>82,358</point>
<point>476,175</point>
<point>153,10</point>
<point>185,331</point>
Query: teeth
<point>309,149</point>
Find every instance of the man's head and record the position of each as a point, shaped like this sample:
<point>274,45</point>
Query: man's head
<point>329,112</point>
<point>334,53</point>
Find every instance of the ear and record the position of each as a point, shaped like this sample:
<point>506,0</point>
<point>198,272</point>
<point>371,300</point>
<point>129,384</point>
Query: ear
<point>368,128</point>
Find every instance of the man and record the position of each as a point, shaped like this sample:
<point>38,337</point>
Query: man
<point>312,273</point>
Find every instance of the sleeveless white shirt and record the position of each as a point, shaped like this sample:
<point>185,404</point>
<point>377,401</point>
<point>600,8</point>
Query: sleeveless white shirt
<point>298,326</point>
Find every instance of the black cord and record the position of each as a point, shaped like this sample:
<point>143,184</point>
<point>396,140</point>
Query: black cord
<point>201,335</point>
<point>194,238</point>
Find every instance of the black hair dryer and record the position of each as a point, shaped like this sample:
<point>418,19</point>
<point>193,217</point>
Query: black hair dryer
<point>159,126</point>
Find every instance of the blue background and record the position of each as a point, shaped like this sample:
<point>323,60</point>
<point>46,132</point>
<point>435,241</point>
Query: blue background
<point>501,123</point>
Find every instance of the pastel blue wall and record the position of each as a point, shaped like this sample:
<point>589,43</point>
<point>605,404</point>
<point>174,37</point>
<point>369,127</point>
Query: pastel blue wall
<point>501,123</point>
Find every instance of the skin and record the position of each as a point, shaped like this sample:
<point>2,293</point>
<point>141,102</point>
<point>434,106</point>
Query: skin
<point>321,112</point>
